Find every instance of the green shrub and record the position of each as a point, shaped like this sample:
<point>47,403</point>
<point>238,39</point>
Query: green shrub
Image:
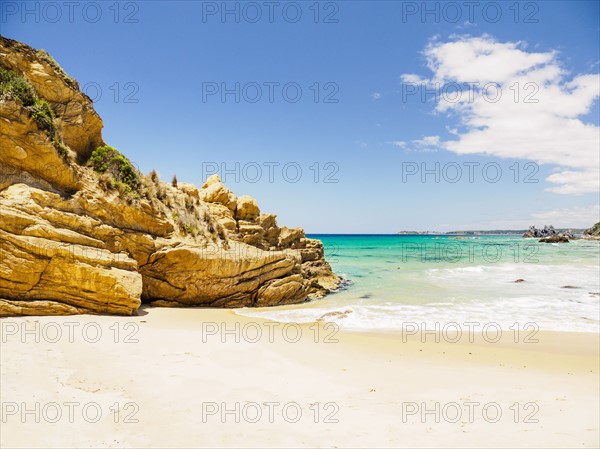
<point>107,159</point>
<point>42,113</point>
<point>15,87</point>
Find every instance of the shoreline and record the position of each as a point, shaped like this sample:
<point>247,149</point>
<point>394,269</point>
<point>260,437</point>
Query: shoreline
<point>169,368</point>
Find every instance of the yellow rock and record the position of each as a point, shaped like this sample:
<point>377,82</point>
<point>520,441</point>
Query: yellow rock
<point>69,244</point>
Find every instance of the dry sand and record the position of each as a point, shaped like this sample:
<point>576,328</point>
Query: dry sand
<point>175,383</point>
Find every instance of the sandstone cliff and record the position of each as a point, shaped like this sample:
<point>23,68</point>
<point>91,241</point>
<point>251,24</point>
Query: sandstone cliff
<point>82,231</point>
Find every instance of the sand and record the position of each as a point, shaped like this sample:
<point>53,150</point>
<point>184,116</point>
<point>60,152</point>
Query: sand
<point>178,378</point>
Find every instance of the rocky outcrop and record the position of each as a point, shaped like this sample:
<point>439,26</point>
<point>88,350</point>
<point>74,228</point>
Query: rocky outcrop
<point>549,235</point>
<point>81,236</point>
<point>76,120</point>
<point>558,238</point>
<point>592,233</point>
<point>247,225</point>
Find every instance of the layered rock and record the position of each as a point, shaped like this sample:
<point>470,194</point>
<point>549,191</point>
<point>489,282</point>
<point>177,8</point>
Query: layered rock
<point>76,241</point>
<point>246,224</point>
<point>76,120</point>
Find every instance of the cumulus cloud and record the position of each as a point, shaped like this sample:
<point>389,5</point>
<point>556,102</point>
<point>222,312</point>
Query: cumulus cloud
<point>375,95</point>
<point>513,103</point>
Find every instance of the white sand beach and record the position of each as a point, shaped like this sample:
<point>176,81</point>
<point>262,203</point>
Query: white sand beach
<point>178,378</point>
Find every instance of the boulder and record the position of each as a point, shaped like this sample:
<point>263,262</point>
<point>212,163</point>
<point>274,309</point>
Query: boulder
<point>212,179</point>
<point>218,193</point>
<point>289,236</point>
<point>555,239</point>
<point>223,215</point>
<point>247,208</point>
<point>196,275</point>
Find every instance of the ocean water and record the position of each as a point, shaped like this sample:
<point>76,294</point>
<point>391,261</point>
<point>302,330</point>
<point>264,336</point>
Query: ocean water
<point>395,281</point>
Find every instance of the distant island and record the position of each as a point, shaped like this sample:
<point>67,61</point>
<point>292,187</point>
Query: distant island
<point>490,232</point>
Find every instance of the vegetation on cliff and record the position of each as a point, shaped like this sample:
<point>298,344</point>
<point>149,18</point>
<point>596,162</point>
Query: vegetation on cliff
<point>106,159</point>
<point>15,87</point>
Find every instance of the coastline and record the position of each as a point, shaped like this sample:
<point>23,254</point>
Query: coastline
<point>168,367</point>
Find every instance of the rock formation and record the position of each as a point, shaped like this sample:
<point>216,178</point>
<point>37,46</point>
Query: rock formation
<point>82,231</point>
<point>557,238</point>
<point>549,235</point>
<point>592,233</point>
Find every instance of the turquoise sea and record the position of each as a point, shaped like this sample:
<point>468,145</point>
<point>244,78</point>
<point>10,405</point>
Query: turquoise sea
<point>398,279</point>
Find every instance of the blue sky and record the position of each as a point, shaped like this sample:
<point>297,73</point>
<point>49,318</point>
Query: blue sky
<point>153,68</point>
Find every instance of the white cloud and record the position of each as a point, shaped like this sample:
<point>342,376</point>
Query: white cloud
<point>575,217</point>
<point>411,78</point>
<point>537,115</point>
<point>375,95</point>
<point>427,143</point>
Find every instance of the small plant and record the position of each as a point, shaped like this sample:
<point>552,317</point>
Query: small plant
<point>61,148</point>
<point>189,203</point>
<point>107,159</point>
<point>174,181</point>
<point>13,86</point>
<point>108,181</point>
<point>147,188</point>
<point>43,116</point>
<point>175,216</point>
<point>154,177</point>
